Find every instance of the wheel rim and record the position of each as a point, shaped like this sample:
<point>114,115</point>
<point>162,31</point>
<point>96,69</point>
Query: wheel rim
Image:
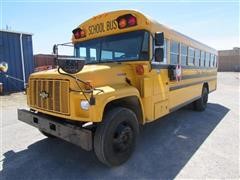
<point>123,138</point>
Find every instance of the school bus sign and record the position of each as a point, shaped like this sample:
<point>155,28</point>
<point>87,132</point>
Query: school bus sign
<point>102,27</point>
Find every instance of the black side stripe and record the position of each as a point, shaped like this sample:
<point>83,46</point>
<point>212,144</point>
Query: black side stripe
<point>159,66</point>
<point>207,74</point>
<point>190,84</point>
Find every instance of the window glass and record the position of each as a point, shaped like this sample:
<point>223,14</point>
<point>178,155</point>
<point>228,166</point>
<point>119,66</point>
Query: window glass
<point>119,54</point>
<point>183,55</point>
<point>207,61</point>
<point>145,42</point>
<point>83,52</point>
<point>174,59</point>
<point>216,62</point>
<point>165,51</point>
<point>197,57</point>
<point>107,55</point>
<point>174,47</point>
<point>212,60</point>
<point>202,62</point>
<point>190,56</point>
<point>174,52</point>
<point>93,54</point>
<point>134,46</point>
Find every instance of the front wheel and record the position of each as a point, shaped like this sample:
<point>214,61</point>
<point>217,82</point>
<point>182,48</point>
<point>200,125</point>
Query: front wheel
<point>115,137</point>
<point>201,103</point>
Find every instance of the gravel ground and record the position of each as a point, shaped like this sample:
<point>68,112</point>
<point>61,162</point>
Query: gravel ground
<point>184,144</point>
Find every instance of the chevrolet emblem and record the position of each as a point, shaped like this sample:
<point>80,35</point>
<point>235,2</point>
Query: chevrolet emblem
<point>43,94</point>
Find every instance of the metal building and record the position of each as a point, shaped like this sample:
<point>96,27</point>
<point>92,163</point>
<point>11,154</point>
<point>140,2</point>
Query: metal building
<point>229,60</point>
<point>17,51</point>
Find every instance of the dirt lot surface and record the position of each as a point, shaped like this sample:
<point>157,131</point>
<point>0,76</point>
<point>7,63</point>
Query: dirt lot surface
<point>184,144</point>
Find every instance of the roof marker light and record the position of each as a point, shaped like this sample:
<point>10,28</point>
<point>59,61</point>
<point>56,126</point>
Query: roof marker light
<point>78,33</point>
<point>132,21</point>
<point>127,20</point>
<point>122,23</point>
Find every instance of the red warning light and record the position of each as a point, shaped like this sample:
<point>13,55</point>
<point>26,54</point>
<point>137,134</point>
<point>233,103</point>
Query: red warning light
<point>78,33</point>
<point>127,20</point>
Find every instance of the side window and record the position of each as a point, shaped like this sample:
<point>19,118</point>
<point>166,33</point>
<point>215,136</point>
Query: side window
<point>183,55</point>
<point>216,61</point>
<point>93,54</point>
<point>119,54</point>
<point>207,61</point>
<point>212,61</point>
<point>145,47</point>
<point>82,52</point>
<point>145,44</point>
<point>165,60</point>
<point>197,57</point>
<point>190,56</point>
<point>174,52</point>
<point>202,62</point>
<point>107,55</point>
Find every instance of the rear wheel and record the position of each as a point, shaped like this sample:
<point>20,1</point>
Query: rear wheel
<point>115,137</point>
<point>201,103</point>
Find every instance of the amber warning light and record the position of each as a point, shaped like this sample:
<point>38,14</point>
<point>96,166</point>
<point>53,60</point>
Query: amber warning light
<point>78,33</point>
<point>126,21</point>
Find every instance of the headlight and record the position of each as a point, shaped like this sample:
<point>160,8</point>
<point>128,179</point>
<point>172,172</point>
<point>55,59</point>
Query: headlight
<point>84,105</point>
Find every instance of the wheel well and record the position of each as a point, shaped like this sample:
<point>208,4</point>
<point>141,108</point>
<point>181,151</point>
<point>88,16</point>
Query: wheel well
<point>130,102</point>
<point>206,85</point>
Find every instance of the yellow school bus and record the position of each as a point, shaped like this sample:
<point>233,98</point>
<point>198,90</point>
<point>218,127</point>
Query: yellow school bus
<point>126,70</point>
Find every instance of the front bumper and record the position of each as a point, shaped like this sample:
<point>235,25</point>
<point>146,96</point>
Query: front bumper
<point>68,132</point>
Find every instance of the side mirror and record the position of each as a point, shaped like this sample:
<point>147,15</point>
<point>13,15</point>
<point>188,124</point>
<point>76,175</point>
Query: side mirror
<point>159,55</point>
<point>159,39</point>
<point>55,49</point>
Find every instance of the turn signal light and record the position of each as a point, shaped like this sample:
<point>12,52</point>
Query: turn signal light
<point>127,20</point>
<point>78,33</point>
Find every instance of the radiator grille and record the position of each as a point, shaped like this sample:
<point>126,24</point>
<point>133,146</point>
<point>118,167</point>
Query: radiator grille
<point>50,95</point>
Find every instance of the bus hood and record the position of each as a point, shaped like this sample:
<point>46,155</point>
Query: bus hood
<point>97,75</point>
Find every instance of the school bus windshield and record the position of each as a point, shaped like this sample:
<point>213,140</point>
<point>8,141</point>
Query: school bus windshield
<point>121,47</point>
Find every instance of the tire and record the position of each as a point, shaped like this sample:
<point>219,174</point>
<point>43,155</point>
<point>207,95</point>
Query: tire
<point>47,134</point>
<point>115,138</point>
<point>201,103</point>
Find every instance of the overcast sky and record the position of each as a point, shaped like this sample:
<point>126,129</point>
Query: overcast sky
<point>213,23</point>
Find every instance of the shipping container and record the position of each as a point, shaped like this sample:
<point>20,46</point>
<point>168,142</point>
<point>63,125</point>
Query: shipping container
<point>17,51</point>
<point>44,62</point>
